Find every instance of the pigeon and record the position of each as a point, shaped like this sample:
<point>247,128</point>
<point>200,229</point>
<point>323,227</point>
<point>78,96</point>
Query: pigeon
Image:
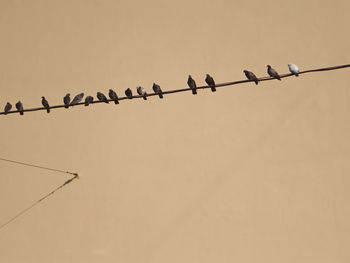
<point>128,93</point>
<point>211,83</point>
<point>7,108</point>
<point>294,69</point>
<point>102,97</point>
<point>88,100</point>
<point>192,84</point>
<point>156,88</point>
<point>251,76</point>
<point>141,91</point>
<point>273,73</point>
<point>19,107</point>
<point>113,96</point>
<point>66,100</point>
<point>77,99</point>
<point>45,103</point>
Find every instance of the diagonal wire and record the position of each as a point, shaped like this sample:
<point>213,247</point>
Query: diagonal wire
<point>38,166</point>
<point>37,202</point>
<point>188,89</point>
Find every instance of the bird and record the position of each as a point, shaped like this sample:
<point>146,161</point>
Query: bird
<point>77,99</point>
<point>8,107</point>
<point>294,69</point>
<point>88,100</point>
<point>66,100</point>
<point>251,76</point>
<point>192,84</point>
<point>141,91</point>
<point>211,83</point>
<point>156,88</point>
<point>45,103</point>
<point>19,107</point>
<point>113,95</point>
<point>102,97</point>
<point>273,73</point>
<point>128,93</point>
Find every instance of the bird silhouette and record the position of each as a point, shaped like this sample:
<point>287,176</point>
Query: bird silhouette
<point>7,108</point>
<point>192,84</point>
<point>273,73</point>
<point>294,69</point>
<point>88,100</point>
<point>211,83</point>
<point>128,93</point>
<point>66,100</point>
<point>19,107</point>
<point>251,76</point>
<point>102,97</point>
<point>141,91</point>
<point>77,99</point>
<point>113,95</point>
<point>45,103</point>
<point>156,88</point>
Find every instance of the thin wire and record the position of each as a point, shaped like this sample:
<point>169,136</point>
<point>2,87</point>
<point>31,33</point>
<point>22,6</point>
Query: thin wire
<point>188,89</point>
<point>37,202</point>
<point>38,166</point>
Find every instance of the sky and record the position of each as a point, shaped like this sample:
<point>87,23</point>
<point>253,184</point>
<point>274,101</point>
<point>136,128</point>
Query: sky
<point>248,173</point>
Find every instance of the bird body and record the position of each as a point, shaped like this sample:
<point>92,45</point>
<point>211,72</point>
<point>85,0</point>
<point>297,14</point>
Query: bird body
<point>66,100</point>
<point>102,97</point>
<point>8,107</point>
<point>45,103</point>
<point>77,99</point>
<point>156,88</point>
<point>251,76</point>
<point>211,83</point>
<point>294,69</point>
<point>113,95</point>
<point>192,84</point>
<point>88,100</point>
<point>273,73</point>
<point>19,107</point>
<point>141,91</point>
<point>128,93</point>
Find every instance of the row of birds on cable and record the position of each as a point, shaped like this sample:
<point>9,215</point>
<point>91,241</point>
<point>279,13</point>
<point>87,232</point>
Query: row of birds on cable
<point>142,92</point>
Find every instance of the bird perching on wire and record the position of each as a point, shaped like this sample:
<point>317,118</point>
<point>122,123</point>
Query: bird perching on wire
<point>211,83</point>
<point>273,73</point>
<point>141,91</point>
<point>45,103</point>
<point>156,88</point>
<point>192,84</point>
<point>251,76</point>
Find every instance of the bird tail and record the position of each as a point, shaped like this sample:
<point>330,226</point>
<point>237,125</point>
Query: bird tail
<point>160,95</point>
<point>21,112</point>
<point>296,74</point>
<point>145,97</point>
<point>194,91</point>
<point>66,106</point>
<point>48,110</point>
<point>256,82</point>
<point>213,89</point>
<point>86,104</point>
<point>116,101</point>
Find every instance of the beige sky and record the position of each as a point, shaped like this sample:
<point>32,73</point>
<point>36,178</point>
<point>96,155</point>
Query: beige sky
<point>246,174</point>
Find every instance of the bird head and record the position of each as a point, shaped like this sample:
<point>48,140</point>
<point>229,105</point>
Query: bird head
<point>245,71</point>
<point>268,66</point>
<point>43,97</point>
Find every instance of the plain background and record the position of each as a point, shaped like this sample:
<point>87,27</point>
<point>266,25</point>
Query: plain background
<point>246,174</point>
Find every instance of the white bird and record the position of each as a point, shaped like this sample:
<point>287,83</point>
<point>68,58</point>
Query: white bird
<point>294,69</point>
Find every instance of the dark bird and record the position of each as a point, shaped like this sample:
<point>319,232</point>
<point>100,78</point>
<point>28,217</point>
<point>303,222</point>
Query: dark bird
<point>156,88</point>
<point>8,107</point>
<point>273,73</point>
<point>77,99</point>
<point>211,83</point>
<point>128,93</point>
<point>141,91</point>
<point>45,103</point>
<point>113,95</point>
<point>192,84</point>
<point>251,76</point>
<point>88,100</point>
<point>19,107</point>
<point>66,100</point>
<point>102,97</point>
